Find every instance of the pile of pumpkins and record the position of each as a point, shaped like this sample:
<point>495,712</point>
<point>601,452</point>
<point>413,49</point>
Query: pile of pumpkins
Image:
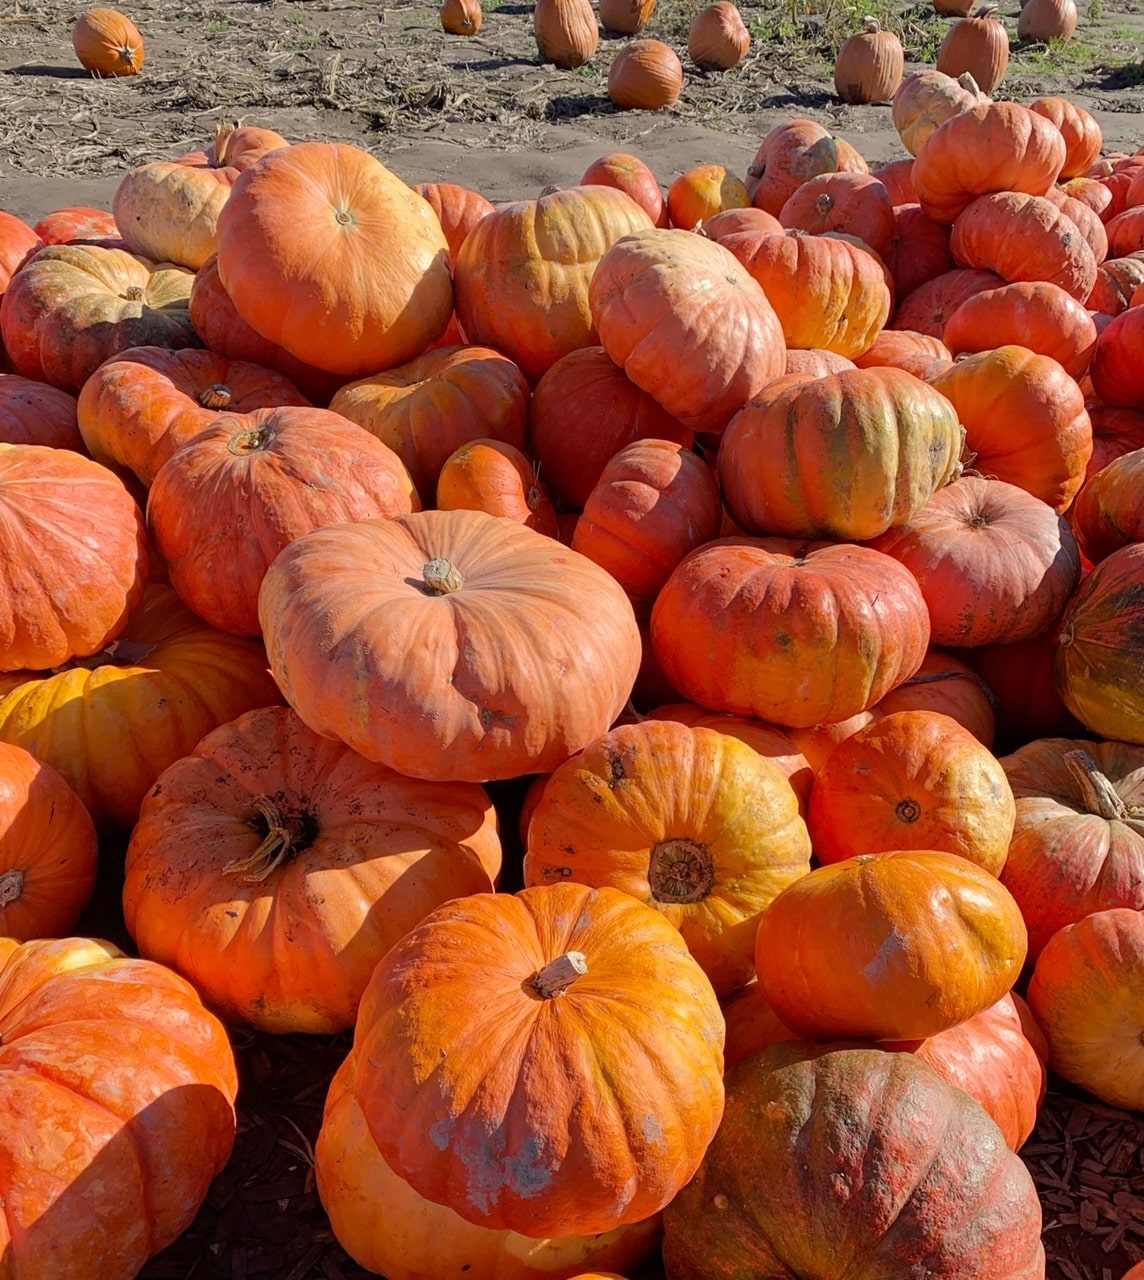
<point>737,528</point>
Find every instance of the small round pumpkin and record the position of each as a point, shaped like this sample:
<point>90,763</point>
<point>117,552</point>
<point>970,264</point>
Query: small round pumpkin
<point>702,193</point>
<point>1045,20</point>
<point>869,65</point>
<point>461,17</point>
<point>645,75</point>
<point>626,17</point>
<point>489,475</point>
<point>108,43</point>
<point>632,176</point>
<point>718,39</point>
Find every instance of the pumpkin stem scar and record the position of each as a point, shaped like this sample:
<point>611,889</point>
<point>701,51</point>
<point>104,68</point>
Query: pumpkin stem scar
<point>11,887</point>
<point>559,974</point>
<point>680,871</point>
<point>285,836</point>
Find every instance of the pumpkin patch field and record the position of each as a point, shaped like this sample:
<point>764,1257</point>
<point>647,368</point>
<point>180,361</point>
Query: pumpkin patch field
<point>572,641</point>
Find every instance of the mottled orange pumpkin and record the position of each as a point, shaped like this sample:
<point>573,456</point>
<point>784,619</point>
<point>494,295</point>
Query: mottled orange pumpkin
<point>702,193</point>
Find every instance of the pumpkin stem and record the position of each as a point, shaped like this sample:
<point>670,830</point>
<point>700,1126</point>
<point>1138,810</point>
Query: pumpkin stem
<point>222,136</point>
<point>255,440</point>
<point>441,577</point>
<point>680,871</point>
<point>217,396</point>
<point>11,887</point>
<point>967,82</point>
<point>1100,796</point>
<point>134,293</point>
<point>559,974</point>
<point>871,26</point>
<point>285,836</point>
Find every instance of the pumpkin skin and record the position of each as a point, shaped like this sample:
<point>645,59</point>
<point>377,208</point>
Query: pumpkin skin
<point>79,224</point>
<point>646,75</point>
<point>1047,20</point>
<point>869,65</point>
<point>112,723</point>
<point>266,834</point>
<point>37,413</point>
<point>1100,648</point>
<point>488,475</point>
<point>817,364</point>
<point>119,1059</point>
<point>1024,418</point>
<point>1086,992</point>
<point>687,323</point>
<point>107,43</point>
<point>790,154</point>
<point>912,780</point>
<point>626,17</point>
<point>928,307</point>
<point>459,681</point>
<point>384,1225</point>
<point>895,176</point>
<point>1109,510</point>
<point>918,249</point>
<point>742,621</point>
<point>718,39</point>
<point>1117,279</point>
<point>854,204</point>
<point>690,821</point>
<point>74,556</point>
<point>425,410</point>
<point>327,253</point>
<point>976,44</point>
<point>18,243</point>
<point>629,174</point>
<point>995,564</point>
<point>141,405</point>
<point>1019,680</point>
<point>566,31</point>
<point>229,500</point>
<point>889,946</point>
<point>916,353</point>
<point>948,686</point>
<point>77,305</point>
<point>527,1092</point>
<point>461,17</point>
<point>925,100</point>
<point>1116,373</point>
<point>819,1119</point>
<point>48,849</point>
<point>1115,432</point>
<point>846,456</point>
<point>703,192</point>
<point>1081,132</point>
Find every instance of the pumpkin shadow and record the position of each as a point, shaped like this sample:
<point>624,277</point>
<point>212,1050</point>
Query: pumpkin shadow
<point>572,106</point>
<point>58,73</point>
<point>517,9</point>
<point>807,97</point>
<point>1128,76</point>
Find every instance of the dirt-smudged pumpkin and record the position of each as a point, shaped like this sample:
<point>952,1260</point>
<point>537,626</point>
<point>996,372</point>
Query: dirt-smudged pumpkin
<point>451,645</point>
<point>550,1062</point>
<point>854,1161</point>
<point>326,252</point>
<point>118,1090</point>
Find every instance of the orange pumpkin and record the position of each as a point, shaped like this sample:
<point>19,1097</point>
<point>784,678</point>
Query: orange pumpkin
<point>1109,509</point>
<point>107,43</point>
<point>949,686</point>
<point>1116,371</point>
<point>718,39</point>
<point>1045,20</point>
<point>702,193</point>
<point>1020,685</point>
<point>977,44</point>
<point>731,221</point>
<point>458,208</point>
<point>869,65</point>
<point>790,154</point>
<point>896,177</point>
<point>626,17</point>
<point>461,17</point>
<point>646,75</point>
<point>855,204</point>
<point>556,1019</point>
<point>928,307</point>
<point>489,475</point>
<point>926,99</point>
<point>630,175</point>
<point>1117,279</point>
<point>918,249</point>
<point>78,224</point>
<point>916,353</point>
<point>37,413</point>
<point>566,32</point>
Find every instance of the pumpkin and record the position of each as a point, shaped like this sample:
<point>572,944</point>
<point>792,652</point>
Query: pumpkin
<point>895,177</point>
<point>107,43</point>
<point>566,32</point>
<point>538,310</point>
<point>926,99</point>
<point>251,483</point>
<point>584,410</point>
<point>1115,432</point>
<point>461,17</point>
<point>1116,371</point>
<point>79,224</point>
<point>167,210</point>
<point>896,945</point>
<point>489,475</point>
<point>77,305</point>
<point>384,1225</point>
<point>143,403</point>
<point>1082,134</point>
<point>869,65</point>
<point>1108,512</point>
<point>1086,992</point>
<point>327,253</point>
<point>465,621</point>
<point>1125,231</point>
<point>1117,280</point>
<point>654,502</point>
<point>979,45</point>
<point>732,221</point>
<point>718,39</point>
<point>645,75</point>
<point>458,208</point>
<point>113,722</point>
<point>1024,418</point>
<point>791,153</point>
<point>995,564</point>
<point>820,1120</point>
<point>815,362</point>
<point>266,834</point>
<point>918,248</point>
<point>1020,684</point>
<point>928,307</point>
<point>428,408</point>
<point>118,1059</point>
<point>687,323</point>
<point>854,204</point>
<point>626,17</point>
<point>630,175</point>
<point>18,244</point>
<point>74,556</point>
<point>1045,20</point>
<point>48,849</point>
<point>702,193</point>
<point>846,456</point>
<point>1078,845</point>
<point>948,686</point>
<point>912,780</point>
<point>1100,648</point>
<point>690,821</point>
<point>916,353</point>
<point>796,634</point>
<point>37,413</point>
<point>511,1043</point>
<point>1036,314</point>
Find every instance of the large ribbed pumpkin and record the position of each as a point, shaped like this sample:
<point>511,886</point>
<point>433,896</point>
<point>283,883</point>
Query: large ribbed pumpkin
<point>550,1062</point>
<point>326,252</point>
<point>854,1162</point>
<point>451,645</point>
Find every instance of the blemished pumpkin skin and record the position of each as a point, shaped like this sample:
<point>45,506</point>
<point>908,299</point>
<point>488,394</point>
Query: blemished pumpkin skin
<point>687,323</point>
<point>702,193</point>
<point>1109,509</point>
<point>1087,992</point>
<point>1087,220</point>
<point>912,780</point>
<point>73,556</point>
<point>855,204</point>
<point>139,406</point>
<point>793,633</point>
<point>77,305</point>
<point>1078,845</point>
<point>48,849</point>
<point>819,1120</point>
<point>994,146</point>
<point>655,501</point>
<point>79,224</point>
<point>108,43</point>
<point>225,504</point>
<point>384,1225</point>
<point>1100,648</point>
<point>889,946</point>
<point>117,1060</point>
<point>454,645</point>
<point>632,176</point>
<point>845,456</point>
<point>816,363</point>
<point>327,253</point>
<point>113,722</point>
<point>522,274</point>
<point>790,154</point>
<point>995,564</point>
<point>925,100</point>
<point>266,835</point>
<point>1081,132</point>
<point>1025,420</point>
<point>428,408</point>
<point>690,821</point>
<point>510,1047</point>
<point>1117,280</point>
<point>491,476</point>
<point>1035,314</point>
<point>928,307</point>
<point>1116,371</point>
<point>37,413</point>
